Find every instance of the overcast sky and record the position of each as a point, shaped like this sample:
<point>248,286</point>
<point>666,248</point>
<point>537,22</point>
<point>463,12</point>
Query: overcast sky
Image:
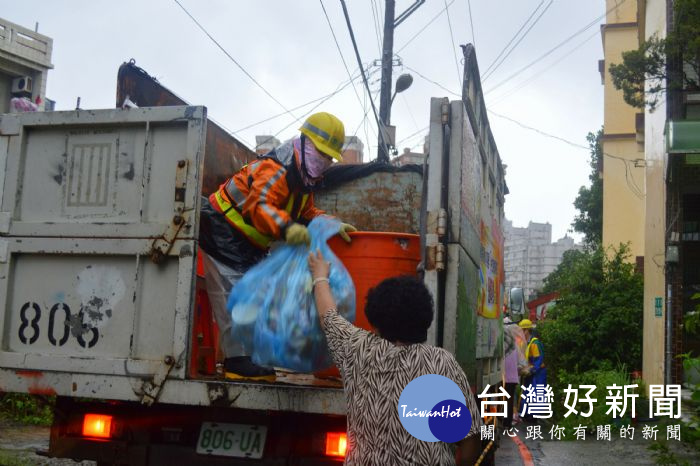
<point>288,48</point>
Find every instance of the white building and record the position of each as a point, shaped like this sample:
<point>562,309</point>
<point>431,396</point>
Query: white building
<point>25,59</point>
<point>530,255</point>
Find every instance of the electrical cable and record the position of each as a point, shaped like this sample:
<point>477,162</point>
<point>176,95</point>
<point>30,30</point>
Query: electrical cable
<point>364,77</point>
<point>432,81</point>
<point>410,112</point>
<point>629,178</point>
<point>518,42</point>
<point>233,59</point>
<point>556,47</point>
<point>452,40</point>
<point>412,135</point>
<point>338,89</point>
<point>377,25</point>
<point>471,23</point>
<point>307,113</point>
<point>541,73</point>
<point>342,57</point>
<point>424,27</point>
<point>488,68</point>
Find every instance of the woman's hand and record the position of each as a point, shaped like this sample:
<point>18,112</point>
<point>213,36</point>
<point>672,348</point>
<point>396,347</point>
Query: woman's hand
<point>319,267</point>
<point>322,289</point>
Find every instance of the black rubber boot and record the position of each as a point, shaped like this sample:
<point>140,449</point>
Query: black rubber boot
<point>243,368</point>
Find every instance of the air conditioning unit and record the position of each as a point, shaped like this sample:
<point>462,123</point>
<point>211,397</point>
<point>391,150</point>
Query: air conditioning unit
<point>22,85</point>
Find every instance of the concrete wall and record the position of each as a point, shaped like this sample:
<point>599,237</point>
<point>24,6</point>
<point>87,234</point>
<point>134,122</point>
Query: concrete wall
<point>655,225</point>
<point>623,182</point>
<point>5,90</point>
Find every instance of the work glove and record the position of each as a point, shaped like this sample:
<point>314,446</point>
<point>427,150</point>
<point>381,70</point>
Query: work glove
<point>346,228</point>
<point>297,234</point>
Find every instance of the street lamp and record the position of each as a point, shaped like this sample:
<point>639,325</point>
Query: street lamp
<point>403,83</point>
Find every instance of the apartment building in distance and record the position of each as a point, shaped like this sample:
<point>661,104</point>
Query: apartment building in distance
<point>530,255</point>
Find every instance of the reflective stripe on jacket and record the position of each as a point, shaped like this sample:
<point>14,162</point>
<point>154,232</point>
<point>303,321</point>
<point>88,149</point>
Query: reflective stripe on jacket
<point>259,201</point>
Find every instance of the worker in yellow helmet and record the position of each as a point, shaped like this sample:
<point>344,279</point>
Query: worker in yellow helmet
<point>269,199</point>
<point>534,354</point>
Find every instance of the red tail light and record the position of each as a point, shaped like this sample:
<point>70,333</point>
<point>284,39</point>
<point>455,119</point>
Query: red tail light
<point>97,425</point>
<point>336,443</point>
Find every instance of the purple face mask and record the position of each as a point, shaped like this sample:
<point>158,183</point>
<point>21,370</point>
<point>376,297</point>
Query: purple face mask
<point>316,163</point>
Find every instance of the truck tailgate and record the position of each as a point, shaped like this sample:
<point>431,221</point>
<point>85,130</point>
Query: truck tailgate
<point>98,229</point>
<point>97,239</point>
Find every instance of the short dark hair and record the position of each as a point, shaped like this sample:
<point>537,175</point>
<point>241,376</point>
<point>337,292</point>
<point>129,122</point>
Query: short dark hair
<point>401,309</point>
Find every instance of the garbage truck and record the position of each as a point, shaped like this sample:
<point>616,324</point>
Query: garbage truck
<point>101,303</point>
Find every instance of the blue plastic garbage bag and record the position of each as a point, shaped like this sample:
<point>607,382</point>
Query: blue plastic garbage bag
<point>273,310</point>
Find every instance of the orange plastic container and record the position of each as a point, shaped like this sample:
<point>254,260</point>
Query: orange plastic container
<point>370,258</point>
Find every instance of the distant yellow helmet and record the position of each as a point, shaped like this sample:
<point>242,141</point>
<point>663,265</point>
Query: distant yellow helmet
<point>327,133</point>
<point>526,323</point>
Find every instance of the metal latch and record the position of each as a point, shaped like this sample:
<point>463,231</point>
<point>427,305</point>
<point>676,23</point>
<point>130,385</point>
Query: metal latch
<point>152,388</point>
<point>161,246</point>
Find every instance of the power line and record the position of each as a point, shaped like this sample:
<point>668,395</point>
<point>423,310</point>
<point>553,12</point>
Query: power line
<point>488,74</point>
<point>410,112</point>
<point>232,59</point>
<point>433,82</point>
<point>325,99</point>
<point>377,25</point>
<point>424,27</point>
<point>335,39</point>
<point>561,44</point>
<point>488,68</point>
<point>541,73</point>
<point>523,125</point>
<point>364,77</point>
<point>471,23</point>
<point>452,37</point>
<point>412,135</point>
<point>343,85</point>
<point>629,179</point>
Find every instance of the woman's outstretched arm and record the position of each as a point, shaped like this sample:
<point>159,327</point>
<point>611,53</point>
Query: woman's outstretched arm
<point>320,270</point>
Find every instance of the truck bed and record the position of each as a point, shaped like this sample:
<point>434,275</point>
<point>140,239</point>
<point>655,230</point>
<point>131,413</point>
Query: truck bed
<point>291,392</point>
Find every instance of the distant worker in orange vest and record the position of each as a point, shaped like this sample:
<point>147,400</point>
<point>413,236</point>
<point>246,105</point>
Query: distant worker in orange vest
<point>267,200</point>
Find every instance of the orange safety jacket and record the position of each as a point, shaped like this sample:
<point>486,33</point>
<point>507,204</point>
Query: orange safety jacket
<point>265,197</point>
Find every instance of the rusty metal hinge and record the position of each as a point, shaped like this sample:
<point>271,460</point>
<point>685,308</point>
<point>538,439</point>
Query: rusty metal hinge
<point>162,246</point>
<point>442,222</point>
<point>152,388</point>
<point>445,111</point>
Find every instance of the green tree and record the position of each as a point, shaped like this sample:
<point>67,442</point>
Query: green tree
<point>589,201</point>
<point>648,64</point>
<point>558,278</point>
<point>597,322</point>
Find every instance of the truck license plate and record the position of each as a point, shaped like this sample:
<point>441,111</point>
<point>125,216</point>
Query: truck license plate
<point>239,440</point>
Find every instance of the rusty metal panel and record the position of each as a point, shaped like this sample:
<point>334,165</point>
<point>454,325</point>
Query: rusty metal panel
<point>378,202</point>
<point>224,154</point>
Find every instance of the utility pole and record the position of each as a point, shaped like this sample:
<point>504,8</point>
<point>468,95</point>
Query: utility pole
<point>390,24</point>
<point>385,95</point>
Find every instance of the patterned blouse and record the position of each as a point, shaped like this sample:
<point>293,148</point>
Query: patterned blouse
<point>375,372</point>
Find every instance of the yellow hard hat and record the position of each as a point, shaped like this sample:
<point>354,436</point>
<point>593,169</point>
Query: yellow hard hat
<point>526,323</point>
<point>327,133</point>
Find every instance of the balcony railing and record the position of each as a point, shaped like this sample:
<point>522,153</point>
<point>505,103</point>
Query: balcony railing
<point>25,44</point>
